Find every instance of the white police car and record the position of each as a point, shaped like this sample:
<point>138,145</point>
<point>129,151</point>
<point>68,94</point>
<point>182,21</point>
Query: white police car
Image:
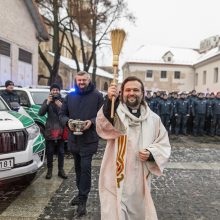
<point>22,147</point>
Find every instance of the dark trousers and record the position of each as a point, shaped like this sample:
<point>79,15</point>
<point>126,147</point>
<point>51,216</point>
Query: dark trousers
<point>181,122</point>
<point>166,121</point>
<point>199,124</point>
<point>50,149</point>
<point>215,126</point>
<point>83,166</point>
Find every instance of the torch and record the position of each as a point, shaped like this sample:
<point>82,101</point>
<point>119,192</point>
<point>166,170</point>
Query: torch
<point>117,39</point>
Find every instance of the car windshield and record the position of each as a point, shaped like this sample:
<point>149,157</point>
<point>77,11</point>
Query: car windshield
<point>39,96</point>
<point>3,107</point>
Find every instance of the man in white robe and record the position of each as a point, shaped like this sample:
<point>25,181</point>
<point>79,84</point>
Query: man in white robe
<point>137,147</point>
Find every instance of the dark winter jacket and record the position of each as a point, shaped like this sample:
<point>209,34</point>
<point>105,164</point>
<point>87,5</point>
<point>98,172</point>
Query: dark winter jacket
<point>200,107</point>
<point>182,107</point>
<point>216,106</point>
<point>10,97</point>
<point>53,127</point>
<point>84,106</point>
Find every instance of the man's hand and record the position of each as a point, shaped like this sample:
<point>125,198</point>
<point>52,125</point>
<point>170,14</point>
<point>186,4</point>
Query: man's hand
<point>58,103</point>
<point>88,124</point>
<point>112,91</point>
<point>143,155</point>
<point>49,99</point>
<point>70,125</point>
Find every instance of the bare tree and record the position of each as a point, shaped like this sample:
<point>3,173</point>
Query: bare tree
<point>95,18</point>
<point>50,10</point>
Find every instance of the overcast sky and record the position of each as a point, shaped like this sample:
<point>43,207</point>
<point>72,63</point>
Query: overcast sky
<point>178,23</point>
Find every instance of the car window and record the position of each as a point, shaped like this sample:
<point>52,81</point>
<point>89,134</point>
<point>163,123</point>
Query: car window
<point>24,100</point>
<point>3,107</point>
<point>39,96</point>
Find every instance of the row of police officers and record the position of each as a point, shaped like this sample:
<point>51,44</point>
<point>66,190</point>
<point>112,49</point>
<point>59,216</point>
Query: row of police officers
<point>183,113</point>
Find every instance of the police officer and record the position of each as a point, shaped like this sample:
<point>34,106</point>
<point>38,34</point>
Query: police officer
<point>215,129</point>
<point>199,113</point>
<point>192,98</point>
<point>209,115</point>
<point>165,111</point>
<point>9,95</point>
<point>181,111</point>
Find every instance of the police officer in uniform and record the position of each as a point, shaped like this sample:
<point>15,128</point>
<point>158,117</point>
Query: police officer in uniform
<point>181,111</point>
<point>9,95</point>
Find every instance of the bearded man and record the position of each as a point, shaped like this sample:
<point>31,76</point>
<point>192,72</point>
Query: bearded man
<point>137,147</point>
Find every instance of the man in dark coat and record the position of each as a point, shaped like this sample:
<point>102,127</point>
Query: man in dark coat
<point>53,130</point>
<point>82,104</point>
<point>9,95</point>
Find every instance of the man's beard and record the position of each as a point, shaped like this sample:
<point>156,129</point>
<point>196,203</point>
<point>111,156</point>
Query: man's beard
<point>134,103</point>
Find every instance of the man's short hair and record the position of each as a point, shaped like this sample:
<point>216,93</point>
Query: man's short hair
<point>82,73</point>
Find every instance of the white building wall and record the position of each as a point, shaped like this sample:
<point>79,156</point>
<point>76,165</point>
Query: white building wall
<point>185,83</point>
<point>210,85</point>
<point>17,28</point>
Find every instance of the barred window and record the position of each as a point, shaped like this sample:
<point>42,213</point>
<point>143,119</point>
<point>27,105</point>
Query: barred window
<point>5,48</point>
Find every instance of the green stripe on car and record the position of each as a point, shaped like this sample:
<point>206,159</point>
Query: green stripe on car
<point>22,118</point>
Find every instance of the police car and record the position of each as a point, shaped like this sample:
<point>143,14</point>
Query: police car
<point>31,100</point>
<point>22,147</point>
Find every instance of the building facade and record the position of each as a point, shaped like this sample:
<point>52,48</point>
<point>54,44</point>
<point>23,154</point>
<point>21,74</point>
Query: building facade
<point>177,69</point>
<point>21,31</point>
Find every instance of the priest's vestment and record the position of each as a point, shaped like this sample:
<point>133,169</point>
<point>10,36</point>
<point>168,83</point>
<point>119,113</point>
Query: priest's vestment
<point>124,181</point>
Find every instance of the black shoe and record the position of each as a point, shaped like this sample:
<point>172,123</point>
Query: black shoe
<point>49,173</point>
<point>75,201</point>
<point>81,210</point>
<point>62,174</point>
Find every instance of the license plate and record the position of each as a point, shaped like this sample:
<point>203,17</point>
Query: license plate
<point>6,164</point>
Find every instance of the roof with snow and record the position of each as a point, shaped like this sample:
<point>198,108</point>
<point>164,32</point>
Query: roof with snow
<point>155,54</point>
<point>72,64</point>
<point>209,54</point>
<point>180,56</point>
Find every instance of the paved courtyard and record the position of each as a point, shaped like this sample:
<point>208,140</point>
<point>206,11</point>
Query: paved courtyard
<point>188,190</point>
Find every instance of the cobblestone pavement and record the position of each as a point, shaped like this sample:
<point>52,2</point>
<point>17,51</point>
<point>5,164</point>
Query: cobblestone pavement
<point>191,193</point>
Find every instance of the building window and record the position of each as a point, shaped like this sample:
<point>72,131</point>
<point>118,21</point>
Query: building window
<point>204,77</point>
<point>216,75</point>
<point>196,79</point>
<point>176,74</point>
<point>169,59</point>
<point>25,56</point>
<point>5,48</point>
<point>163,74</point>
<point>149,74</point>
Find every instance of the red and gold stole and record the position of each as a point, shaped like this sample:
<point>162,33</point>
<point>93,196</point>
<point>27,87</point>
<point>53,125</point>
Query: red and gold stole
<point>120,162</point>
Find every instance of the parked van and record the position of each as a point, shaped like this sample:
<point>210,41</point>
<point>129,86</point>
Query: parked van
<point>22,147</point>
